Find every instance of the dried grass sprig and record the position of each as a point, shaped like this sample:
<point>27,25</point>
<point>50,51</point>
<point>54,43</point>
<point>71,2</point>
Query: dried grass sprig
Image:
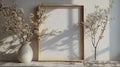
<point>37,19</point>
<point>96,24</point>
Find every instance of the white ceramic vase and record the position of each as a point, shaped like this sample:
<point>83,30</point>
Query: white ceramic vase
<point>25,53</point>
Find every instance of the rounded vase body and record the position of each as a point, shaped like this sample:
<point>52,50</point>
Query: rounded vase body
<point>25,53</point>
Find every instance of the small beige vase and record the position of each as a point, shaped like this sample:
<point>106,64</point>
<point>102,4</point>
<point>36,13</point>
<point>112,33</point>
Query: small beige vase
<point>25,53</point>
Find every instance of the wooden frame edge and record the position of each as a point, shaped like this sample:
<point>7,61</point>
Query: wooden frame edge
<point>81,7</point>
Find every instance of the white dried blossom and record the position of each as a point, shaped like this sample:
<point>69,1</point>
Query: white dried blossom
<point>21,9</point>
<point>96,23</point>
<point>15,23</point>
<point>37,19</point>
<point>19,19</point>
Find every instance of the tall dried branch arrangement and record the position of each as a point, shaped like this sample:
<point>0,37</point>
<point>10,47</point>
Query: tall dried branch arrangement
<point>95,25</point>
<point>14,22</point>
<point>37,19</point>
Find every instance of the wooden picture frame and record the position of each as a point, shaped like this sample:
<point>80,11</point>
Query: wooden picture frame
<point>81,9</point>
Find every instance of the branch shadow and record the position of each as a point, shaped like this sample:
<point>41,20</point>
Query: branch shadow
<point>69,34</point>
<point>8,49</point>
<point>67,40</point>
<point>98,53</point>
<point>8,43</point>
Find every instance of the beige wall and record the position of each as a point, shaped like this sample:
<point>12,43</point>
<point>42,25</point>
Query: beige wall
<point>103,50</point>
<point>115,32</point>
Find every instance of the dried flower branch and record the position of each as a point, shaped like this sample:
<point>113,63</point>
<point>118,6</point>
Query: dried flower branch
<point>95,25</point>
<point>14,22</point>
<point>37,19</point>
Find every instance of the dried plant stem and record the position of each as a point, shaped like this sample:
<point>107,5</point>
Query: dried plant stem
<point>95,25</point>
<point>101,34</point>
<point>95,44</point>
<point>95,54</point>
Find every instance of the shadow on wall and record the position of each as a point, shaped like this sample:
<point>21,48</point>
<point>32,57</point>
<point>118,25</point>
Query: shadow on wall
<point>68,40</point>
<point>8,48</point>
<point>114,31</point>
<point>107,49</point>
<point>9,44</point>
<point>66,43</point>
